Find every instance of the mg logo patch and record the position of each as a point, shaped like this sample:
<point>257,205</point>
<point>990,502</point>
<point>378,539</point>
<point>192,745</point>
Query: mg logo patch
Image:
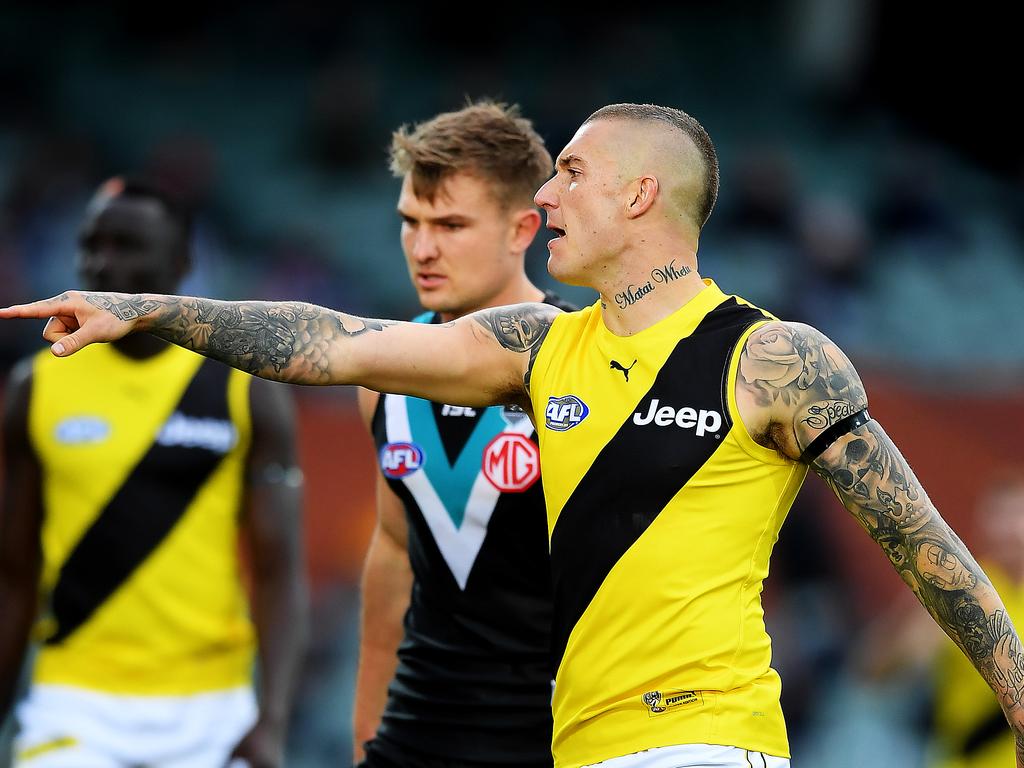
<point>564,412</point>
<point>398,460</point>
<point>511,462</point>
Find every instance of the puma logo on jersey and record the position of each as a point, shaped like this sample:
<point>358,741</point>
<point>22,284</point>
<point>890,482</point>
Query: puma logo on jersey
<point>216,435</point>
<point>702,421</point>
<point>658,702</point>
<point>564,412</point>
<point>617,366</point>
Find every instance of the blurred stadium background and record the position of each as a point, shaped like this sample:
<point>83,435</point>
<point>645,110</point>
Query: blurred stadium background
<point>872,186</point>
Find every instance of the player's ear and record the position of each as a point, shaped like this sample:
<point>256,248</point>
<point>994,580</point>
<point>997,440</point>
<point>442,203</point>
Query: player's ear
<point>524,226</point>
<point>641,194</point>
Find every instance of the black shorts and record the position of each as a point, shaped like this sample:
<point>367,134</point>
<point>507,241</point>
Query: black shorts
<point>383,753</point>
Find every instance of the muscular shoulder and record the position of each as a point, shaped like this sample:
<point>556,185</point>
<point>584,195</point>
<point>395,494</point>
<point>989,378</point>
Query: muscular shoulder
<point>520,328</point>
<point>793,383</point>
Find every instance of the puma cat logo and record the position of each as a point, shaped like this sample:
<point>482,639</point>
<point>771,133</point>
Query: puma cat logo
<point>617,366</point>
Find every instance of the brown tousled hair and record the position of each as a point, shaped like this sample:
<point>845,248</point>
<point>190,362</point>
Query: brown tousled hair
<point>487,139</point>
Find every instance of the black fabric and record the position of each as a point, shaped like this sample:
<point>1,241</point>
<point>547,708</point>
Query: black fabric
<point>457,429</point>
<point>381,753</point>
<point>142,512</point>
<point>619,496</point>
<point>473,684</point>
<point>833,433</point>
<point>991,729</point>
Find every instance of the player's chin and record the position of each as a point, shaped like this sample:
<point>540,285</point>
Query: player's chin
<point>435,300</point>
<point>561,268</point>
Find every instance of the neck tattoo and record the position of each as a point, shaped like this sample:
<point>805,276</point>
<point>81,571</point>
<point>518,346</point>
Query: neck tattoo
<point>665,274</point>
<point>669,272</point>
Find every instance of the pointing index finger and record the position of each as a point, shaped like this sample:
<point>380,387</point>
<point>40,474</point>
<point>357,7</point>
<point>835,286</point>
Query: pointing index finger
<point>37,309</point>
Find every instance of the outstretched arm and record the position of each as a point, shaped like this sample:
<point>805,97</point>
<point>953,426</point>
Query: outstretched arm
<point>795,385</point>
<point>481,359</point>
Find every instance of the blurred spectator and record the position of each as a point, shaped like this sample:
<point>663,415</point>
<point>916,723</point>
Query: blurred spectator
<point>910,208</point>
<point>832,277</point>
<point>757,250</point>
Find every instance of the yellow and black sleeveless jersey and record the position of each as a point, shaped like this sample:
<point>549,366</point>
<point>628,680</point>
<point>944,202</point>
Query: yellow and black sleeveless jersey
<point>969,724</point>
<point>142,466</point>
<point>662,513</point>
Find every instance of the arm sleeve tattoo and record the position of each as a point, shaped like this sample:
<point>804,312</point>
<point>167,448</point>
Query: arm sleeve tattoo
<point>873,480</point>
<point>286,341</point>
<point>808,385</point>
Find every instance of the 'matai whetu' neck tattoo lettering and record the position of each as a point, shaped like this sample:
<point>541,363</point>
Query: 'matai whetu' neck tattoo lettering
<point>665,274</point>
<point>669,272</point>
<point>633,294</point>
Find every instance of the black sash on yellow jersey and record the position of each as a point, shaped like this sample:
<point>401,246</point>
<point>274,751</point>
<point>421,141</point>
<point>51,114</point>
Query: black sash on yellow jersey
<point>662,514</point>
<point>121,538</point>
<point>693,374</point>
<point>143,464</point>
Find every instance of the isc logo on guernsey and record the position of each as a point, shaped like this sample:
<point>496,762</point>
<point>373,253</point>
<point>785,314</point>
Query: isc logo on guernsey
<point>686,418</point>
<point>564,412</point>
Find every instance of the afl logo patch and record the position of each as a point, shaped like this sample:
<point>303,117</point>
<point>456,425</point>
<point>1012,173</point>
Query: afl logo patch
<point>511,462</point>
<point>398,460</point>
<point>564,412</point>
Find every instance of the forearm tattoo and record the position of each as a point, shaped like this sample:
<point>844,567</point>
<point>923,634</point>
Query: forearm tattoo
<point>808,384</point>
<point>286,341</point>
<point>874,482</point>
<point>520,328</point>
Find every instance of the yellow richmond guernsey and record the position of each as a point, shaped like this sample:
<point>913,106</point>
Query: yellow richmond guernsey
<point>662,513</point>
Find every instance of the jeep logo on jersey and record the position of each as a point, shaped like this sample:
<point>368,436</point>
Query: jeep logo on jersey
<point>511,462</point>
<point>686,418</point>
<point>399,460</point>
<point>216,435</point>
<point>565,412</point>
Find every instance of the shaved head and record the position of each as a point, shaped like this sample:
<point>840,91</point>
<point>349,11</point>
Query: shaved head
<point>672,146</point>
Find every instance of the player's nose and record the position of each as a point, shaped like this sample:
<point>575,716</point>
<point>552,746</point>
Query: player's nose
<point>424,245</point>
<point>545,197</point>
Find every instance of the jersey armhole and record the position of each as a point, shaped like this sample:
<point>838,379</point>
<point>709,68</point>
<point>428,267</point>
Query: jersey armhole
<point>743,437</point>
<point>539,372</point>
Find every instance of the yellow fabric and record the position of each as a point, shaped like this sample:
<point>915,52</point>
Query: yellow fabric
<point>680,612</point>
<point>963,700</point>
<point>180,623</point>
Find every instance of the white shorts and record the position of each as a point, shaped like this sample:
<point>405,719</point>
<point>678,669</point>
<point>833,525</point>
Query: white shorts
<point>695,756</point>
<point>66,727</point>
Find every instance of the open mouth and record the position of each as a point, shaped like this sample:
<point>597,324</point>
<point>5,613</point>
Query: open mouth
<point>557,231</point>
<point>429,280</point>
